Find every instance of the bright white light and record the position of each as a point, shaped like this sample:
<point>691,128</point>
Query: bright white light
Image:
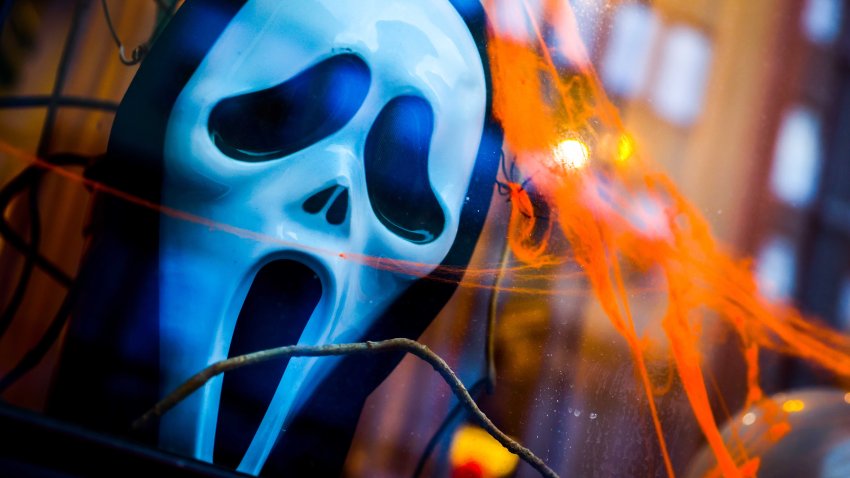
<point>749,418</point>
<point>572,153</point>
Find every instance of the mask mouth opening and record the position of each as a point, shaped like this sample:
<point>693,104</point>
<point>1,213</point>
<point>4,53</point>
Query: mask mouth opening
<point>280,301</point>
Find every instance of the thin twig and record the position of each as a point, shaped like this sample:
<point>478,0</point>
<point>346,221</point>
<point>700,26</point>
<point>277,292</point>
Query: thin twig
<point>391,345</point>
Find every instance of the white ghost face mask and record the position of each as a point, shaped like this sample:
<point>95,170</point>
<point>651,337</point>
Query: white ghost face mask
<point>316,136</point>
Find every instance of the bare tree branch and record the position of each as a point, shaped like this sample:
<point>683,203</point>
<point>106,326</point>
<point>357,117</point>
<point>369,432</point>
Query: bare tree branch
<point>391,345</point>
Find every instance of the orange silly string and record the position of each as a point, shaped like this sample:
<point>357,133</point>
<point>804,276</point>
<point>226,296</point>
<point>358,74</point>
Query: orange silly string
<point>613,210</point>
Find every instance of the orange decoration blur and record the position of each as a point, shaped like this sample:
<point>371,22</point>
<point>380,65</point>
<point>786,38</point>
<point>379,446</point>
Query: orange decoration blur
<point>616,211</point>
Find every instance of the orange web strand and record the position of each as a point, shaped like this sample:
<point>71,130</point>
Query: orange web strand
<point>527,246</point>
<point>597,209</point>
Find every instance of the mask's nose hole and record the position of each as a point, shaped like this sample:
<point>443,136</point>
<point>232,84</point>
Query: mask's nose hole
<point>339,208</point>
<point>315,203</point>
<point>332,200</point>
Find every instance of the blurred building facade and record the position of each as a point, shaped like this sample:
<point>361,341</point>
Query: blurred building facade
<point>745,104</point>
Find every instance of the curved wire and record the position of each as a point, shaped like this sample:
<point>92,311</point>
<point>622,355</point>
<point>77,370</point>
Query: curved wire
<point>14,304</point>
<point>35,355</point>
<point>137,54</point>
<point>50,268</point>
<point>30,179</point>
<point>32,176</point>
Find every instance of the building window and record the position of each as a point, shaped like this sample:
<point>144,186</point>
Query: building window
<point>822,20</point>
<point>797,158</point>
<point>587,14</point>
<point>776,268</point>
<point>627,58</point>
<point>679,88</point>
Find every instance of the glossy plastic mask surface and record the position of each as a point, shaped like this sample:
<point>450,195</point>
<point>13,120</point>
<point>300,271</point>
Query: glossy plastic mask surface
<point>337,132</point>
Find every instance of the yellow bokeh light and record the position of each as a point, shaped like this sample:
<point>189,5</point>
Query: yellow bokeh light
<point>572,153</point>
<point>625,147</point>
<point>847,397</point>
<point>474,444</point>
<point>792,406</point>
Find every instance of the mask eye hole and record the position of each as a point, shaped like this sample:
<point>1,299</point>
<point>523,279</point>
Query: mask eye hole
<point>278,121</point>
<point>396,168</point>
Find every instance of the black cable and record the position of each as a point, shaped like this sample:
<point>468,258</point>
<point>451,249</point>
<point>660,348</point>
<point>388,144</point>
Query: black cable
<point>139,52</point>
<point>136,55</point>
<point>18,184</point>
<point>438,435</point>
<point>34,356</point>
<point>50,268</point>
<point>38,101</point>
<point>30,178</point>
<point>61,75</point>
<point>33,175</point>
<point>14,304</point>
<point>27,179</point>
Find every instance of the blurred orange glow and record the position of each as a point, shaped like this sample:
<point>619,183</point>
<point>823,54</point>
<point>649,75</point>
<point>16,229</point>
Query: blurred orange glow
<point>792,406</point>
<point>474,445</point>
